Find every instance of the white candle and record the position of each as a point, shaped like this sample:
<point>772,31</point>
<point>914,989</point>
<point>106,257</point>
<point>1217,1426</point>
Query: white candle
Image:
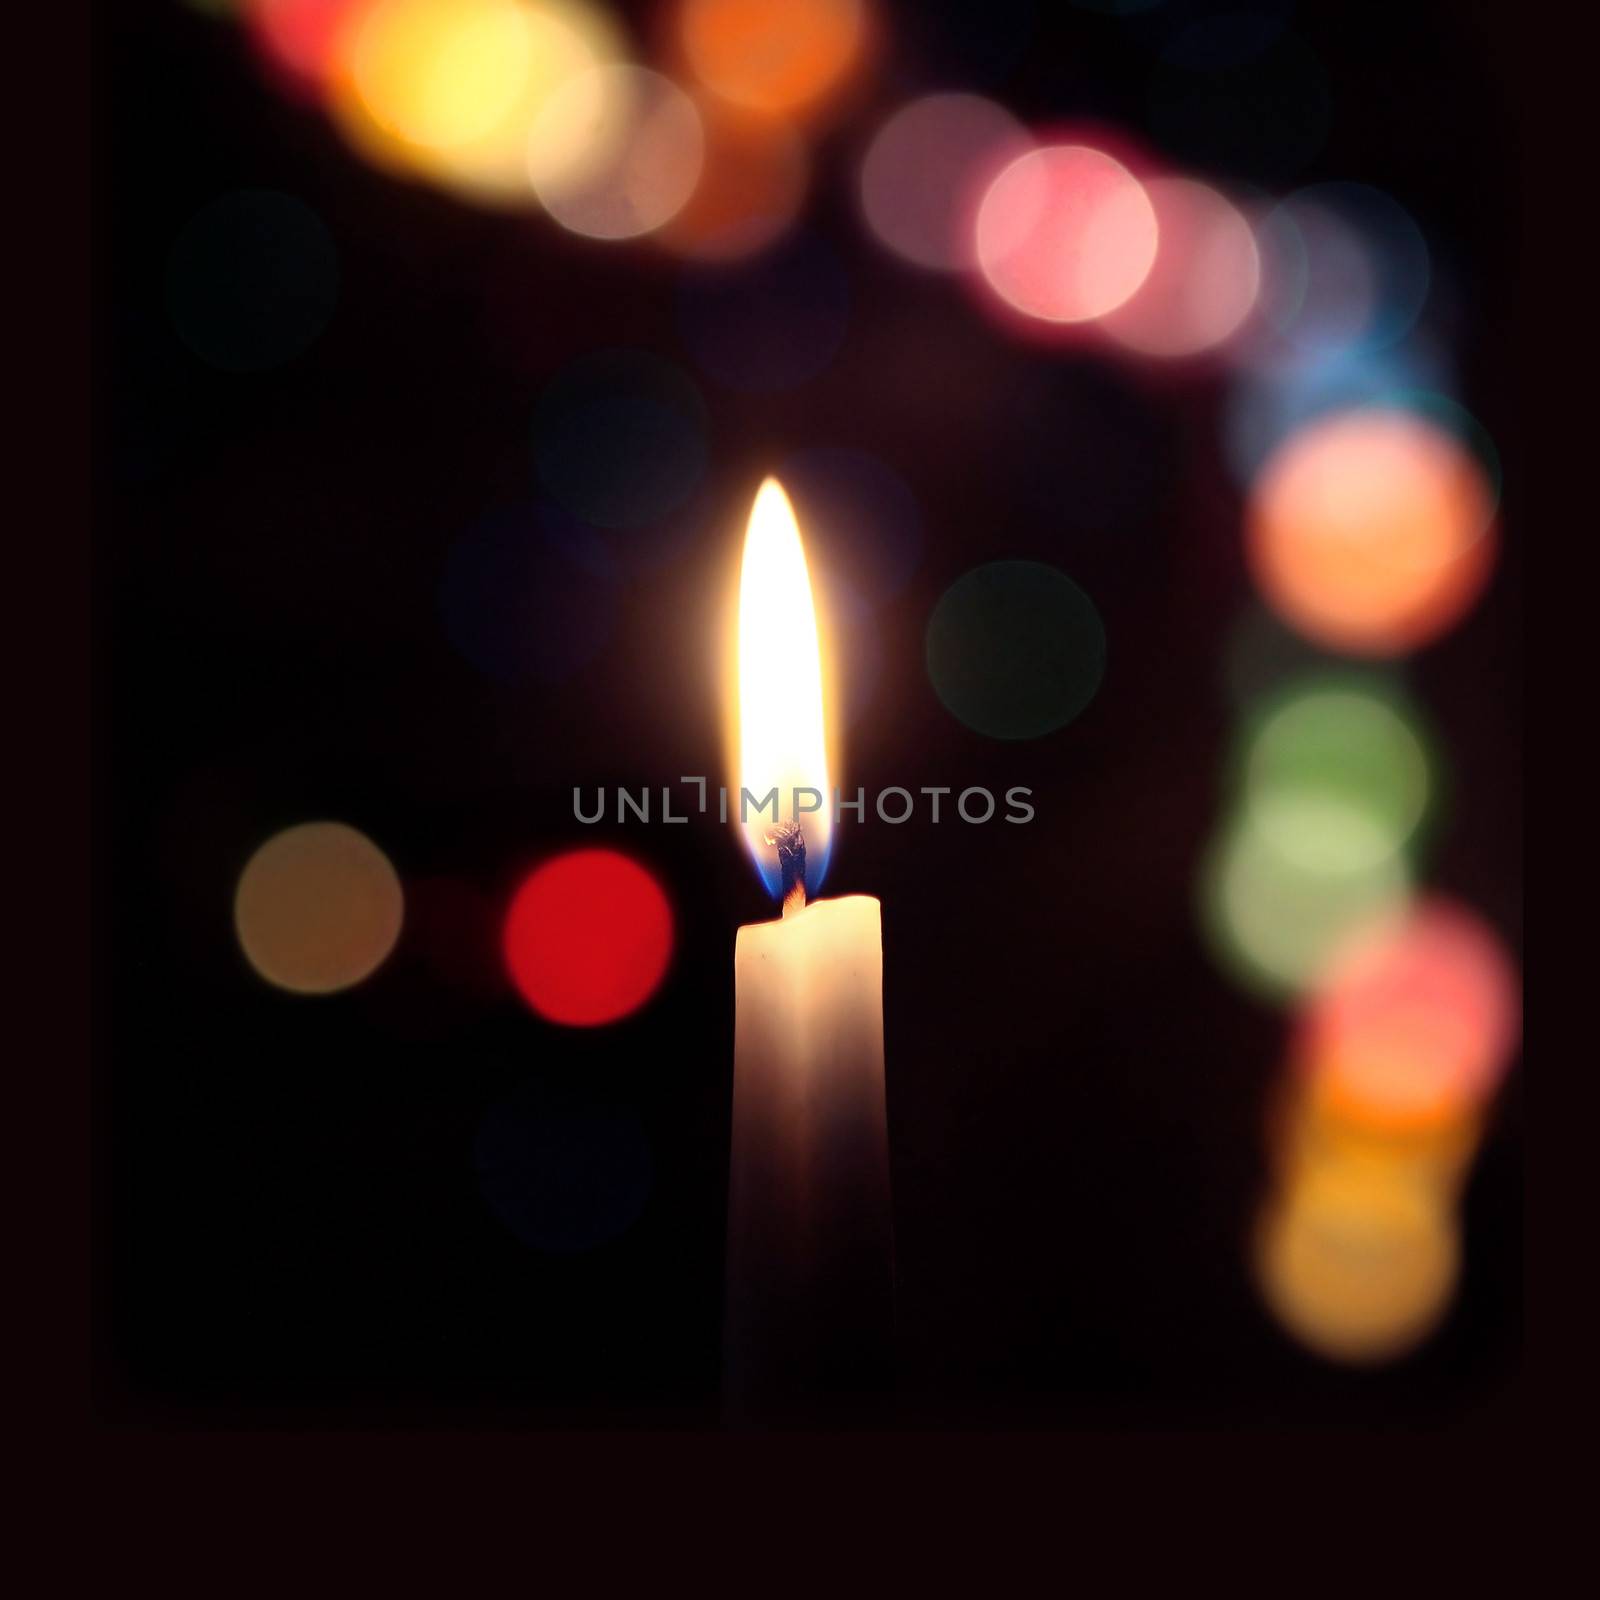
<point>810,1254</point>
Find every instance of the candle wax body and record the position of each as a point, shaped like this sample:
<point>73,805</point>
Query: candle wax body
<point>810,1265</point>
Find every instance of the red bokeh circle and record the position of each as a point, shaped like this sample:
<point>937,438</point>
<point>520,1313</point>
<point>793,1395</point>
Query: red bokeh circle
<point>588,937</point>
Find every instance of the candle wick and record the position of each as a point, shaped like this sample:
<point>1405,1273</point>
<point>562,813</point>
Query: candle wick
<point>790,841</point>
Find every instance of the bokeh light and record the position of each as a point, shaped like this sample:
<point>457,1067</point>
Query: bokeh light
<point>1370,531</point>
<point>438,74</point>
<point>252,281</point>
<point>768,325</point>
<point>1335,772</point>
<point>616,151</point>
<point>567,40</point>
<point>1411,1025</point>
<point>1015,649</point>
<point>300,39</point>
<point>620,438</point>
<point>1314,1133</point>
<point>452,94</point>
<point>1205,279</point>
<point>1358,1263</point>
<point>562,1180</point>
<point>752,184</point>
<point>318,908</point>
<point>1413,1020</point>
<point>1273,920</point>
<point>775,56</point>
<point>1065,233</point>
<point>1283,388</point>
<point>1346,267</point>
<point>588,937</point>
<point>925,171</point>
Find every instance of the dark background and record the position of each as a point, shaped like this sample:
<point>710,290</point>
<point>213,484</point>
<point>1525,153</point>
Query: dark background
<point>289,1227</point>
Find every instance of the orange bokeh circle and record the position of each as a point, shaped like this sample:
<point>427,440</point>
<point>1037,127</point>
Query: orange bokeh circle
<point>775,56</point>
<point>1371,531</point>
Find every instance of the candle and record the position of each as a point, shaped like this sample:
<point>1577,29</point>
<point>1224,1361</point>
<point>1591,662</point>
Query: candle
<point>810,1255</point>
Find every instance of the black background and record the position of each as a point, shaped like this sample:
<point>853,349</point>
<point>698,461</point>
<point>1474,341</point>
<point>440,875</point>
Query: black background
<point>288,1222</point>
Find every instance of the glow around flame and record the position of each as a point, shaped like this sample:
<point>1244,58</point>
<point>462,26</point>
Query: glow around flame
<point>782,736</point>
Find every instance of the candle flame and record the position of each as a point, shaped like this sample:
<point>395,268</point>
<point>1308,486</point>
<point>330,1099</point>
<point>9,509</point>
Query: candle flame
<point>782,735</point>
